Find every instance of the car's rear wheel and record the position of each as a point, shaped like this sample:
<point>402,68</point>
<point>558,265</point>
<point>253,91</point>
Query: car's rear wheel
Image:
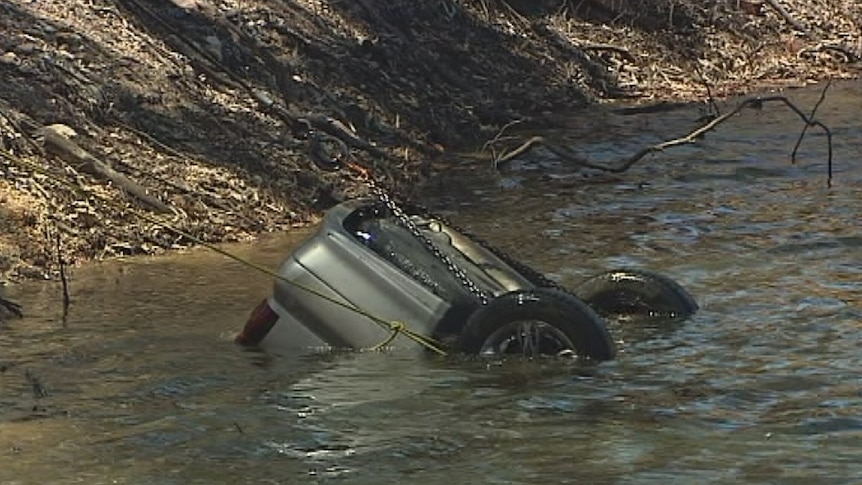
<point>537,322</point>
<point>636,293</point>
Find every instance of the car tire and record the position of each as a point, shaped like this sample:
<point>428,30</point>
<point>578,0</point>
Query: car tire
<point>637,293</point>
<point>537,322</point>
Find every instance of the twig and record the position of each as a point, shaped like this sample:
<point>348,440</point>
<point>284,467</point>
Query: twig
<point>490,143</point>
<point>524,21</point>
<point>62,264</point>
<point>757,102</point>
<point>713,107</point>
<point>808,123</point>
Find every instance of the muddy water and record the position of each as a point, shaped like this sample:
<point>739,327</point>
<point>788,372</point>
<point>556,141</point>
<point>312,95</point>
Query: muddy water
<point>142,384</point>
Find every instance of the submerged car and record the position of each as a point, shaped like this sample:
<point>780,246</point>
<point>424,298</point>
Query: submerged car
<point>372,271</point>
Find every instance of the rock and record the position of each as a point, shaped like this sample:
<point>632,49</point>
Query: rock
<point>9,58</point>
<point>59,129</point>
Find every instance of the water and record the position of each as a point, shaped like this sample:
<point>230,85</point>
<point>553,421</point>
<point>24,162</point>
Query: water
<point>143,385</point>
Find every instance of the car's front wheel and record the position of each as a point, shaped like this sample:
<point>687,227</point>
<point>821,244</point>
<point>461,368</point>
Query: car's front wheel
<point>537,322</point>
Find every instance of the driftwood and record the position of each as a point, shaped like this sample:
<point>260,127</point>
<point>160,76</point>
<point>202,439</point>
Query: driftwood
<point>57,142</point>
<point>758,102</point>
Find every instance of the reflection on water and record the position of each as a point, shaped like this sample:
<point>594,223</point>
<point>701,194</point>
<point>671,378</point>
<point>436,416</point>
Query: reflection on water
<point>143,384</point>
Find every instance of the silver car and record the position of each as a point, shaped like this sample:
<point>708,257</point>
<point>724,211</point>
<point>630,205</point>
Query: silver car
<point>373,275</point>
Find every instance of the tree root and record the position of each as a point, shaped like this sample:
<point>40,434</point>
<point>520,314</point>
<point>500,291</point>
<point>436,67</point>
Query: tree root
<point>569,156</point>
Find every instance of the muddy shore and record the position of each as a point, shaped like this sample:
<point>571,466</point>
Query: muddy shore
<point>221,116</point>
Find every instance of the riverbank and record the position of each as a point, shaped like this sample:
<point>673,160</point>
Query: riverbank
<point>206,106</point>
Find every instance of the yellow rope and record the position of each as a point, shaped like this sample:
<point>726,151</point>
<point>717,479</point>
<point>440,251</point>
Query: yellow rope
<point>397,327</point>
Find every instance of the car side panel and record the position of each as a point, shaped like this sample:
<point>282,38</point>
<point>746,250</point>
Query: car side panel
<point>334,265</point>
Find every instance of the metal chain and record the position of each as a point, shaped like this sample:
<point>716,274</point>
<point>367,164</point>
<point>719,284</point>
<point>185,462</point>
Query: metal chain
<point>411,226</point>
<point>535,277</point>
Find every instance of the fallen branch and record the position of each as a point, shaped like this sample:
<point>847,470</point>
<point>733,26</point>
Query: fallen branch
<point>58,143</point>
<point>624,165</point>
<point>786,16</point>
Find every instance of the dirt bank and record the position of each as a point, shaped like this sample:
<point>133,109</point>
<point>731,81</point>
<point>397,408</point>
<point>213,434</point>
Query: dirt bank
<point>215,110</point>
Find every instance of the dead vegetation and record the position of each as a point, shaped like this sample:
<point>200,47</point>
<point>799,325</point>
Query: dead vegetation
<point>211,111</point>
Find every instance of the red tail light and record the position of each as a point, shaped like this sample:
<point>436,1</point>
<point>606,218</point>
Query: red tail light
<point>259,324</point>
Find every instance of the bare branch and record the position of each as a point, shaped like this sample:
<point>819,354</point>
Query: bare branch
<point>808,123</point>
<point>490,143</point>
<point>625,164</point>
<point>713,107</point>
<point>786,16</point>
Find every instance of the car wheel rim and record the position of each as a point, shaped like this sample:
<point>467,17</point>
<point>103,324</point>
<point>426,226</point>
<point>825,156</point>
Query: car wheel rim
<point>528,338</point>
